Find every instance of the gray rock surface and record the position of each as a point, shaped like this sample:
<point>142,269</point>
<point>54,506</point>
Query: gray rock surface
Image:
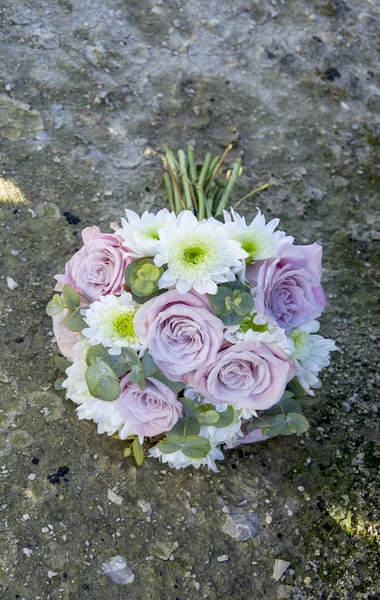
<point>90,92</point>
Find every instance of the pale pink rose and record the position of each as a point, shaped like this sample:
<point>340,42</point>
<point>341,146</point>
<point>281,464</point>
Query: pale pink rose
<point>181,332</point>
<point>256,435</point>
<point>250,375</point>
<point>97,269</point>
<point>151,411</point>
<point>64,337</point>
<point>289,291</point>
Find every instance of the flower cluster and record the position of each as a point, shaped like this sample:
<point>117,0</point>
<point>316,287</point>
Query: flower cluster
<point>185,335</point>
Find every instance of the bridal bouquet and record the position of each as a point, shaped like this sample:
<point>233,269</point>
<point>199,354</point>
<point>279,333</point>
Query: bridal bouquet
<point>190,329</point>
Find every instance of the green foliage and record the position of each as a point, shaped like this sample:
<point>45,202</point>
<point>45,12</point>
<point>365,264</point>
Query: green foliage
<point>55,306</point>
<point>61,363</point>
<point>128,360</point>
<point>151,370</point>
<point>225,418</point>
<point>193,446</point>
<point>138,451</point>
<point>71,297</point>
<point>58,384</point>
<point>142,278</point>
<point>232,303</point>
<point>285,418</point>
<point>101,381</point>
<point>74,321</point>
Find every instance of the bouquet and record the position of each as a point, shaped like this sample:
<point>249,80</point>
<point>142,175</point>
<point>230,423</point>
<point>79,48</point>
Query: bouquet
<point>188,330</point>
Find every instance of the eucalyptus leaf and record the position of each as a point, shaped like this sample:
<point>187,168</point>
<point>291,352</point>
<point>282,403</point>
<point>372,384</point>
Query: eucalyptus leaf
<point>74,321</point>
<point>297,423</point>
<point>170,444</point>
<point>175,386</point>
<point>188,405</point>
<point>246,304</point>
<point>186,426</point>
<point>225,418</point>
<point>138,452</point>
<point>61,363</point>
<point>117,362</point>
<point>101,381</point>
<point>278,427</point>
<point>55,306</point>
<point>58,384</point>
<point>196,447</point>
<point>142,277</point>
<point>210,417</point>
<point>286,405</point>
<point>148,364</point>
<point>71,297</point>
<point>152,370</point>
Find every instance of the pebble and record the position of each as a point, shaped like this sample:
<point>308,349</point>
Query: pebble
<point>307,580</point>
<point>11,283</point>
<point>27,551</point>
<point>242,527</point>
<point>280,567</point>
<point>117,569</point>
<point>301,488</point>
<point>146,507</point>
<point>222,558</point>
<point>113,497</point>
<point>32,476</point>
<point>52,574</point>
<point>268,519</point>
<point>26,517</point>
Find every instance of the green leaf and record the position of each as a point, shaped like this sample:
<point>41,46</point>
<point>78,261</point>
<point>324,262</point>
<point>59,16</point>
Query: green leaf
<point>196,447</point>
<point>269,421</point>
<point>188,405</point>
<point>101,381</point>
<point>58,384</point>
<point>170,444</point>
<point>277,428</point>
<point>221,300</point>
<point>287,404</point>
<point>55,306</point>
<point>225,418</point>
<point>74,321</point>
<point>71,297</point>
<point>142,277</point>
<point>127,451</point>
<point>245,306</point>
<point>297,423</point>
<point>210,417</point>
<point>138,452</point>
<point>62,363</point>
<point>117,362</point>
<point>296,389</point>
<point>149,366</point>
<point>151,370</point>
<point>175,386</point>
<point>189,426</point>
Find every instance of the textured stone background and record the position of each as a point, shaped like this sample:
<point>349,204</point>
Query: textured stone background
<point>86,87</point>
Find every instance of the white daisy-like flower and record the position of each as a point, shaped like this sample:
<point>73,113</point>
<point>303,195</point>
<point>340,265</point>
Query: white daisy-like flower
<point>110,322</point>
<point>105,414</point>
<point>223,435</point>
<point>250,330</point>
<point>178,460</point>
<point>141,234</point>
<point>259,239</point>
<point>198,254</point>
<point>311,355</point>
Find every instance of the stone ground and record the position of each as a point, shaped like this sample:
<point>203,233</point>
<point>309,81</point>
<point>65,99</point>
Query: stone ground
<point>86,87</point>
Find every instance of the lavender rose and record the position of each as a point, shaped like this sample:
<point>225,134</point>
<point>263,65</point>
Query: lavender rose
<point>65,338</point>
<point>250,375</point>
<point>181,332</point>
<point>97,269</point>
<point>289,289</point>
<point>151,411</point>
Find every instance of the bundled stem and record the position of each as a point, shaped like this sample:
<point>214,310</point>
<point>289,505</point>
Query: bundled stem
<point>202,188</point>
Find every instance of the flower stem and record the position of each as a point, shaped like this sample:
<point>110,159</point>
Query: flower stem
<point>218,165</point>
<point>169,191</point>
<point>256,191</point>
<point>192,167</point>
<point>228,190</point>
<point>200,184</point>
<point>185,180</point>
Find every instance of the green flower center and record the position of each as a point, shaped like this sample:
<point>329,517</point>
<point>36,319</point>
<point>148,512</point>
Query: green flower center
<point>150,231</point>
<point>123,325</point>
<point>193,255</point>
<point>253,242</point>
<point>248,324</point>
<point>300,338</point>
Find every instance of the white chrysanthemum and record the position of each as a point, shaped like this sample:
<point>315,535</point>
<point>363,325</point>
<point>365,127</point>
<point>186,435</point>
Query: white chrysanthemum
<point>311,355</point>
<point>258,239</point>
<point>198,254</point>
<point>105,414</point>
<point>223,435</point>
<point>110,322</point>
<point>141,234</point>
<point>178,460</point>
<point>248,330</point>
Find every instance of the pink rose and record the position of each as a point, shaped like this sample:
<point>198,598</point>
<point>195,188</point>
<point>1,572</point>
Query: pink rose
<point>181,331</point>
<point>289,287</point>
<point>64,337</point>
<point>97,269</point>
<point>250,375</point>
<point>151,411</point>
